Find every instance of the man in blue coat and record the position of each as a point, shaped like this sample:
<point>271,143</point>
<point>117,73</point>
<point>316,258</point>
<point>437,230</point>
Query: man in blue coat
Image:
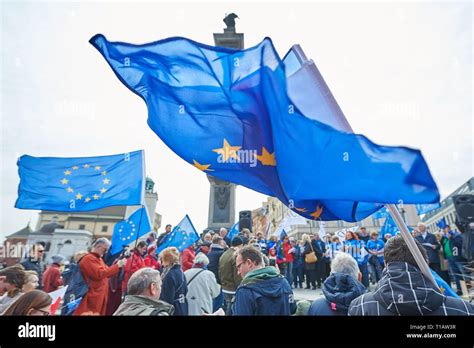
<point>263,291</point>
<point>340,288</point>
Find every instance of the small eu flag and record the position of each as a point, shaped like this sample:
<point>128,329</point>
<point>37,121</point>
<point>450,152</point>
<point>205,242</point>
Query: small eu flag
<point>426,208</point>
<point>442,223</point>
<point>233,231</point>
<point>130,229</point>
<point>381,213</point>
<point>183,235</point>
<point>81,183</point>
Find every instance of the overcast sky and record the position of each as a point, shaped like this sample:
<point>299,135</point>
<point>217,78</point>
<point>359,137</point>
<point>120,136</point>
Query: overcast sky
<point>401,72</point>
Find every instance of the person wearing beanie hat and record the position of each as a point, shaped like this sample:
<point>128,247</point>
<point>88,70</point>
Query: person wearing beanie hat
<point>52,279</point>
<point>151,259</point>
<point>236,241</point>
<point>58,259</point>
<point>229,277</point>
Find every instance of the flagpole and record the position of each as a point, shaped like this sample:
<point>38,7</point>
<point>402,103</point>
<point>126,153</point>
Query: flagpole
<point>345,126</point>
<point>136,239</point>
<point>408,238</point>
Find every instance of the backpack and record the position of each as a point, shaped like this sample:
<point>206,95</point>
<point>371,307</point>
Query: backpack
<point>77,287</point>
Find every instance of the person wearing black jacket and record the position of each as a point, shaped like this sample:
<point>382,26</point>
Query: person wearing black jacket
<point>431,245</point>
<point>309,267</point>
<point>319,247</point>
<point>163,236</point>
<point>34,262</point>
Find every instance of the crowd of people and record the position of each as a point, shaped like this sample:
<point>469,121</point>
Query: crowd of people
<point>245,275</point>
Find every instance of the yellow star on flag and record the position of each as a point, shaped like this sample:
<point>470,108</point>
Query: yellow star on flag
<point>104,172</point>
<point>97,167</point>
<point>75,167</point>
<point>64,181</point>
<point>87,199</point>
<point>67,172</point>
<point>317,213</point>
<point>228,151</point>
<point>103,190</point>
<point>267,158</point>
<point>96,196</point>
<point>79,196</point>
<point>106,181</point>
<point>86,166</point>
<point>69,189</point>
<point>202,167</point>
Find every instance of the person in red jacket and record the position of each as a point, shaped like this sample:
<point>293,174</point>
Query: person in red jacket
<point>52,276</point>
<point>187,258</point>
<point>134,263</point>
<point>151,260</point>
<point>283,249</point>
<point>96,274</point>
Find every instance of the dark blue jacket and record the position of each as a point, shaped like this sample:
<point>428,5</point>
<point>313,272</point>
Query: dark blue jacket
<point>339,290</point>
<point>433,256</point>
<point>264,297</point>
<point>322,247</point>
<point>174,290</point>
<point>36,266</point>
<point>298,260</point>
<point>214,256</point>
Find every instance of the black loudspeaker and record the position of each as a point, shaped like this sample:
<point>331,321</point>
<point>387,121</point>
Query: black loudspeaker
<point>464,205</point>
<point>245,220</point>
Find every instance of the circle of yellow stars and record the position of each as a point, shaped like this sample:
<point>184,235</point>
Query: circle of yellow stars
<point>78,195</point>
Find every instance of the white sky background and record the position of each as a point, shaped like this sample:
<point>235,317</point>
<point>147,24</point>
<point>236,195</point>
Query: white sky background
<point>401,72</point>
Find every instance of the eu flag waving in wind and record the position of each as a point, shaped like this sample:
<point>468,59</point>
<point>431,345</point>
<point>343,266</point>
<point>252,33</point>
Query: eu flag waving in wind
<point>130,229</point>
<point>80,184</point>
<point>182,236</point>
<point>227,112</point>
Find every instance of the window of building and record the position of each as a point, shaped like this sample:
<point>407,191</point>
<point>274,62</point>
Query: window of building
<point>82,227</point>
<point>105,228</point>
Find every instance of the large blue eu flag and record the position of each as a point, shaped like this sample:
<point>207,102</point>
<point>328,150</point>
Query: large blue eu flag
<point>81,183</point>
<point>227,112</point>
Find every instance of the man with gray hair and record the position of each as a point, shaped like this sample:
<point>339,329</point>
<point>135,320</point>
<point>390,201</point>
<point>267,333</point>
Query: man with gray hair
<point>340,288</point>
<point>225,235</point>
<point>96,274</point>
<point>431,245</point>
<point>143,295</point>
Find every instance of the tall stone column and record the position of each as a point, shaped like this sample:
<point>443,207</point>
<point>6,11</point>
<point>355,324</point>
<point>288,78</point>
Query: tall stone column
<point>222,193</point>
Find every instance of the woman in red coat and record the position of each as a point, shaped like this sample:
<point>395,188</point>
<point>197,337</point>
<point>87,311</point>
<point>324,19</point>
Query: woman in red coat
<point>96,274</point>
<point>134,263</point>
<point>151,260</point>
<point>187,258</point>
<point>52,277</point>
